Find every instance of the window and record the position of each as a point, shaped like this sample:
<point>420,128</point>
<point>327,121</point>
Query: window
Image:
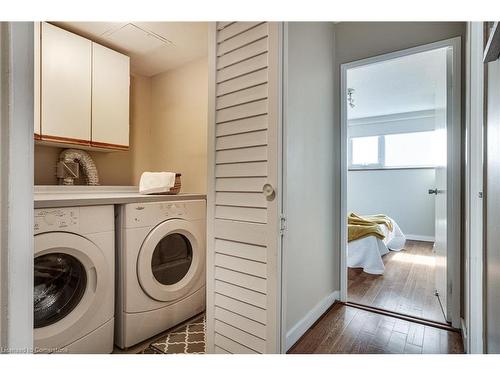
<point>410,150</point>
<point>400,150</point>
<point>365,151</point>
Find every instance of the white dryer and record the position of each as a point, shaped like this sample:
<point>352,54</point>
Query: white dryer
<point>74,279</point>
<point>160,267</point>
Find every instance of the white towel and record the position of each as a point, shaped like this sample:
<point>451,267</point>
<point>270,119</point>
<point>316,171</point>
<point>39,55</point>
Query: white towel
<point>156,182</point>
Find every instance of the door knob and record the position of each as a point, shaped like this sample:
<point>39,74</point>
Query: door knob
<point>269,192</point>
<point>433,191</point>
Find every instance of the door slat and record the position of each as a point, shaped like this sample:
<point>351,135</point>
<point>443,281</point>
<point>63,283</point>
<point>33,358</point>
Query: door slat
<point>241,199</point>
<point>242,111</point>
<point>251,94</point>
<point>241,279</point>
<point>258,169</point>
<point>239,155</point>
<point>244,67</point>
<point>250,233</point>
<point>241,250</point>
<point>247,214</point>
<point>234,29</point>
<point>236,334</point>
<point>258,77</point>
<point>241,265</point>
<point>242,126</point>
<point>242,39</point>
<point>231,346</point>
<point>250,184</point>
<point>241,308</point>
<point>219,350</point>
<point>241,54</point>
<point>222,25</point>
<point>241,294</point>
<point>258,138</point>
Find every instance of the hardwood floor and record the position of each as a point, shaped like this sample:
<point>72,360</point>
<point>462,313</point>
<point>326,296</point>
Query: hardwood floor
<point>345,329</point>
<point>406,287</point>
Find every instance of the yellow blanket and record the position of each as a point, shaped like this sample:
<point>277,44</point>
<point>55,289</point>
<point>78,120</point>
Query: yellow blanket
<point>362,226</point>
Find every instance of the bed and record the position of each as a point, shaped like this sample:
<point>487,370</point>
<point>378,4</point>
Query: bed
<point>367,252</point>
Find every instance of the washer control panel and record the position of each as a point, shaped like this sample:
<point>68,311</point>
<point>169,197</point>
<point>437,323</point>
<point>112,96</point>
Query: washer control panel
<point>56,219</point>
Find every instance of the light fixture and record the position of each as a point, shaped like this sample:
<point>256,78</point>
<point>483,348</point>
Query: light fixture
<point>350,98</point>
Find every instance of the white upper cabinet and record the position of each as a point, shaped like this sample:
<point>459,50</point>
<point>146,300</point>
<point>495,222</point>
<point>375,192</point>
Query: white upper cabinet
<point>81,91</point>
<point>66,76</point>
<point>110,98</point>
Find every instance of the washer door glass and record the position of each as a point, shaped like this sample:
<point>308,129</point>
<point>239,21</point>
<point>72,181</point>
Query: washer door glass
<point>60,282</point>
<point>171,259</point>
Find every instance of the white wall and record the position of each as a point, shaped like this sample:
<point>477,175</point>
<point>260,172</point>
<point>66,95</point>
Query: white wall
<point>492,209</point>
<point>399,193</point>
<point>16,182</point>
<point>310,264</point>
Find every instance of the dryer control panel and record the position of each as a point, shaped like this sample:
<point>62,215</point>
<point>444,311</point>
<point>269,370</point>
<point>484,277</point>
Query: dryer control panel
<point>173,209</point>
<point>146,214</point>
<point>56,219</point>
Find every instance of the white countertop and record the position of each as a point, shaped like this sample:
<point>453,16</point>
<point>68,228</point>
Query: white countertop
<point>52,196</point>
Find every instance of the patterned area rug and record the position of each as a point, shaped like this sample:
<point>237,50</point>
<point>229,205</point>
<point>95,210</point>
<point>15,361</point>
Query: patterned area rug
<point>185,339</point>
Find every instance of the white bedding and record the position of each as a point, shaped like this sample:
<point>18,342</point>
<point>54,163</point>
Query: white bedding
<point>367,252</point>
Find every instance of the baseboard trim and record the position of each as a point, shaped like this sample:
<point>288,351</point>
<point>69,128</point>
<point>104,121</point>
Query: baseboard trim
<point>417,237</point>
<point>298,330</point>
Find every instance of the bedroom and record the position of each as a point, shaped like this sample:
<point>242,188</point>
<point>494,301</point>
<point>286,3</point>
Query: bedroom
<point>397,163</point>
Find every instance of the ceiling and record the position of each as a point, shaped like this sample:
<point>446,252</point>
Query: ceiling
<point>411,83</point>
<point>153,47</point>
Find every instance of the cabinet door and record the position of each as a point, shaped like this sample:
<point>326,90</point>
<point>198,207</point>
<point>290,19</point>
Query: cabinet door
<point>110,98</point>
<point>66,86</point>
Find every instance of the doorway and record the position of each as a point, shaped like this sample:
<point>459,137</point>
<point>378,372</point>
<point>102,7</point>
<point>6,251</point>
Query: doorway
<point>400,193</point>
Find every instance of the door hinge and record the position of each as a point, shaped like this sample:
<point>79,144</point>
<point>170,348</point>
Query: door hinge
<point>282,223</point>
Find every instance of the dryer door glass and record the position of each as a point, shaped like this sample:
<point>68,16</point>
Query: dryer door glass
<point>171,259</point>
<point>60,282</point>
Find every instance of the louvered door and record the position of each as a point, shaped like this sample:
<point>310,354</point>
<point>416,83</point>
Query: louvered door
<point>243,309</point>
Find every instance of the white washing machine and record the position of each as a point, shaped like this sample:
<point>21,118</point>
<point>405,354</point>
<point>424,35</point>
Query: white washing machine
<point>74,279</point>
<point>160,267</point>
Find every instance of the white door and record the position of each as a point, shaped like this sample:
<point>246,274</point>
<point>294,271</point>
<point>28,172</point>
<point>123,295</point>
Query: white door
<point>443,104</point>
<point>243,248</point>
<point>66,69</point>
<point>440,238</point>
<point>110,98</point>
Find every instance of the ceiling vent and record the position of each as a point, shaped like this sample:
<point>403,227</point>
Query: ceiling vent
<point>136,39</point>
